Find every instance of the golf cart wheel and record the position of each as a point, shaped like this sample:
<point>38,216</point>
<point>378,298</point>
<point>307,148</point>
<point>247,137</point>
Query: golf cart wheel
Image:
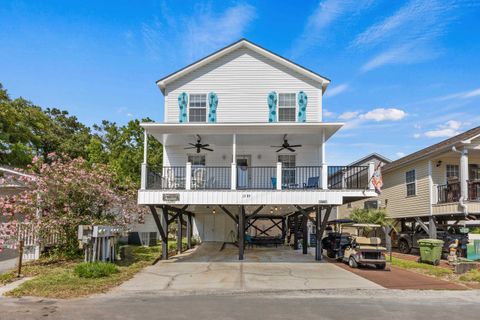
<point>381,266</point>
<point>403,247</point>
<point>352,263</point>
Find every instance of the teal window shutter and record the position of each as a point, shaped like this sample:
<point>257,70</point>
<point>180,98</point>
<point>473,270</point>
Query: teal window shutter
<point>302,106</point>
<point>272,107</point>
<point>212,103</point>
<point>182,104</point>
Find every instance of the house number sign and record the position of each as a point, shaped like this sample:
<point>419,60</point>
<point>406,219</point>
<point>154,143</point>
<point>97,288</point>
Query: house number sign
<point>171,196</point>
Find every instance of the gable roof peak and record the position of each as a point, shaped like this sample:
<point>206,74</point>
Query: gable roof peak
<point>243,43</point>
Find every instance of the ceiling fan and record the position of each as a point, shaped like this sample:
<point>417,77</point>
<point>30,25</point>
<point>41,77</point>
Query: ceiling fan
<point>286,145</point>
<point>199,145</point>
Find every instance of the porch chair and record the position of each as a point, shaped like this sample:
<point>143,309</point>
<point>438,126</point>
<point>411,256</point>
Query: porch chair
<point>312,183</point>
<point>274,182</point>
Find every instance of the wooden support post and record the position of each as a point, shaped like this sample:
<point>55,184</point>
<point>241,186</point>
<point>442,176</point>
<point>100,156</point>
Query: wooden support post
<point>284,229</point>
<point>323,226</point>
<point>241,232</point>
<point>179,233</point>
<point>318,247</point>
<point>189,231</point>
<point>164,223</point>
<point>20,258</point>
<point>305,233</point>
<point>295,232</point>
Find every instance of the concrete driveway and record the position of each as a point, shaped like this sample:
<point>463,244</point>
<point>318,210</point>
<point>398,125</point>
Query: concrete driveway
<point>265,269</point>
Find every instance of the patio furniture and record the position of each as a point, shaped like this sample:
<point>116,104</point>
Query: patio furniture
<point>274,182</point>
<point>312,183</point>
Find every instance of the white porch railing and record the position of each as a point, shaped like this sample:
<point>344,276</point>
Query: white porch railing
<point>276,177</point>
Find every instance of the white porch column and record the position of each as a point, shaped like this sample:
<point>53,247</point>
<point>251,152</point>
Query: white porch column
<point>143,183</point>
<point>464,173</point>
<point>279,176</point>
<point>188,176</point>
<point>371,171</point>
<point>323,162</point>
<point>233,175</point>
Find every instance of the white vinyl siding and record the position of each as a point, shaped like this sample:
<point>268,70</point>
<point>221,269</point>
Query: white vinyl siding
<point>197,108</point>
<point>287,108</point>
<point>242,80</point>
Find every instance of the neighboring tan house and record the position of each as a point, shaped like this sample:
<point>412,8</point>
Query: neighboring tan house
<point>244,141</point>
<point>437,184</point>
<point>344,211</point>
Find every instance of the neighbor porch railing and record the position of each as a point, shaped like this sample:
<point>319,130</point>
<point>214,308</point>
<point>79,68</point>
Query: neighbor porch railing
<point>256,177</point>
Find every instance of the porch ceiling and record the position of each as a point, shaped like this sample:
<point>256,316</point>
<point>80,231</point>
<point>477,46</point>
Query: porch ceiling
<point>254,134</point>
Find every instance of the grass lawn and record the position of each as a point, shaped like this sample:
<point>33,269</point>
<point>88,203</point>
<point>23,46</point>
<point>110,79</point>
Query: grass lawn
<point>57,279</point>
<point>421,267</point>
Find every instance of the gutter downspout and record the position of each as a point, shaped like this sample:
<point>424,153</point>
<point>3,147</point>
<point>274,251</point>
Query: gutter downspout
<point>462,198</point>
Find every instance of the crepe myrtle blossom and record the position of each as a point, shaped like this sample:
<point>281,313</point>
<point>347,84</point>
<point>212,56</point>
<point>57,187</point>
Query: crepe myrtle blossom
<point>63,194</point>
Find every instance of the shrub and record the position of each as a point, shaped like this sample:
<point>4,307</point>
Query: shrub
<point>95,269</point>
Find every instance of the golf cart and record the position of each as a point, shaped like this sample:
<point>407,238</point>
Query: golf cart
<point>365,250</point>
<point>336,239</point>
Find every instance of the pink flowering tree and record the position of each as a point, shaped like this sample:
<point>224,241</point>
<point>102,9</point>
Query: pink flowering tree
<point>63,194</point>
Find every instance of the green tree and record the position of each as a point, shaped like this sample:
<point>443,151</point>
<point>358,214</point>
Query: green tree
<point>121,149</point>
<point>27,131</point>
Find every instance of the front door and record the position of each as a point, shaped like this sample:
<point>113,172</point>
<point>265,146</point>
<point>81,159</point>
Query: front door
<point>243,171</point>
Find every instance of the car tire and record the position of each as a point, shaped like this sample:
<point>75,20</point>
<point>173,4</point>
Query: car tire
<point>352,263</point>
<point>404,247</point>
<point>381,266</point>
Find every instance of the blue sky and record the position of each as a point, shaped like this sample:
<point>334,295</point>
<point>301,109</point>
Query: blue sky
<point>405,74</point>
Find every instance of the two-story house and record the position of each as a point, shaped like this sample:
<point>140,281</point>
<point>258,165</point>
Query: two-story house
<point>435,185</point>
<point>243,138</point>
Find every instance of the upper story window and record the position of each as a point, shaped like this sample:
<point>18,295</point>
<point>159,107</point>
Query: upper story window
<point>410,182</point>
<point>453,171</point>
<point>197,107</point>
<point>287,107</point>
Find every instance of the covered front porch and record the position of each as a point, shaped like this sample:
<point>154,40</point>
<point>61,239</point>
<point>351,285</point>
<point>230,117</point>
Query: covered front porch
<point>278,156</point>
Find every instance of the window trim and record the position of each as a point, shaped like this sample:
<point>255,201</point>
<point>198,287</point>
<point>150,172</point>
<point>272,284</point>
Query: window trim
<point>414,182</point>
<point>446,171</point>
<point>199,108</point>
<point>296,107</point>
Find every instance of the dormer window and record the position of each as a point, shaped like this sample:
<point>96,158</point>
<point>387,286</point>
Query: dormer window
<point>287,107</point>
<point>197,107</point>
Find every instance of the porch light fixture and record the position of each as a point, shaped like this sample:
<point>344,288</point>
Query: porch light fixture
<point>224,157</point>
<point>439,163</point>
<point>271,211</point>
<point>276,209</point>
<point>259,157</point>
<point>213,211</point>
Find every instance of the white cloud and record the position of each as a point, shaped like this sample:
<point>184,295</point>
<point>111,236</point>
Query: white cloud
<point>417,135</point>
<point>195,34</point>
<point>336,90</point>
<point>208,30</point>
<point>325,14</point>
<point>461,95</point>
<point>447,130</point>
<point>400,154</point>
<point>328,114</point>
<point>355,118</point>
<point>382,114</point>
<point>408,35</point>
<point>348,115</point>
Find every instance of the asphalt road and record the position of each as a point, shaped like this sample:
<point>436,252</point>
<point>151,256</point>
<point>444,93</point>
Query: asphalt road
<point>329,304</point>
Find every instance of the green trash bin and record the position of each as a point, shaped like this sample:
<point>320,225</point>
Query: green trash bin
<point>430,251</point>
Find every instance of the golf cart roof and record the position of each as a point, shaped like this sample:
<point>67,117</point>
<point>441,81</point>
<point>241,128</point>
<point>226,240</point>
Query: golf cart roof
<point>338,221</point>
<point>366,225</point>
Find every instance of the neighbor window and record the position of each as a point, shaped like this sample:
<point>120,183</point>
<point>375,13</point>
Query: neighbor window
<point>410,182</point>
<point>453,171</point>
<point>286,107</point>
<point>197,108</point>
<point>288,168</point>
<point>196,159</point>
